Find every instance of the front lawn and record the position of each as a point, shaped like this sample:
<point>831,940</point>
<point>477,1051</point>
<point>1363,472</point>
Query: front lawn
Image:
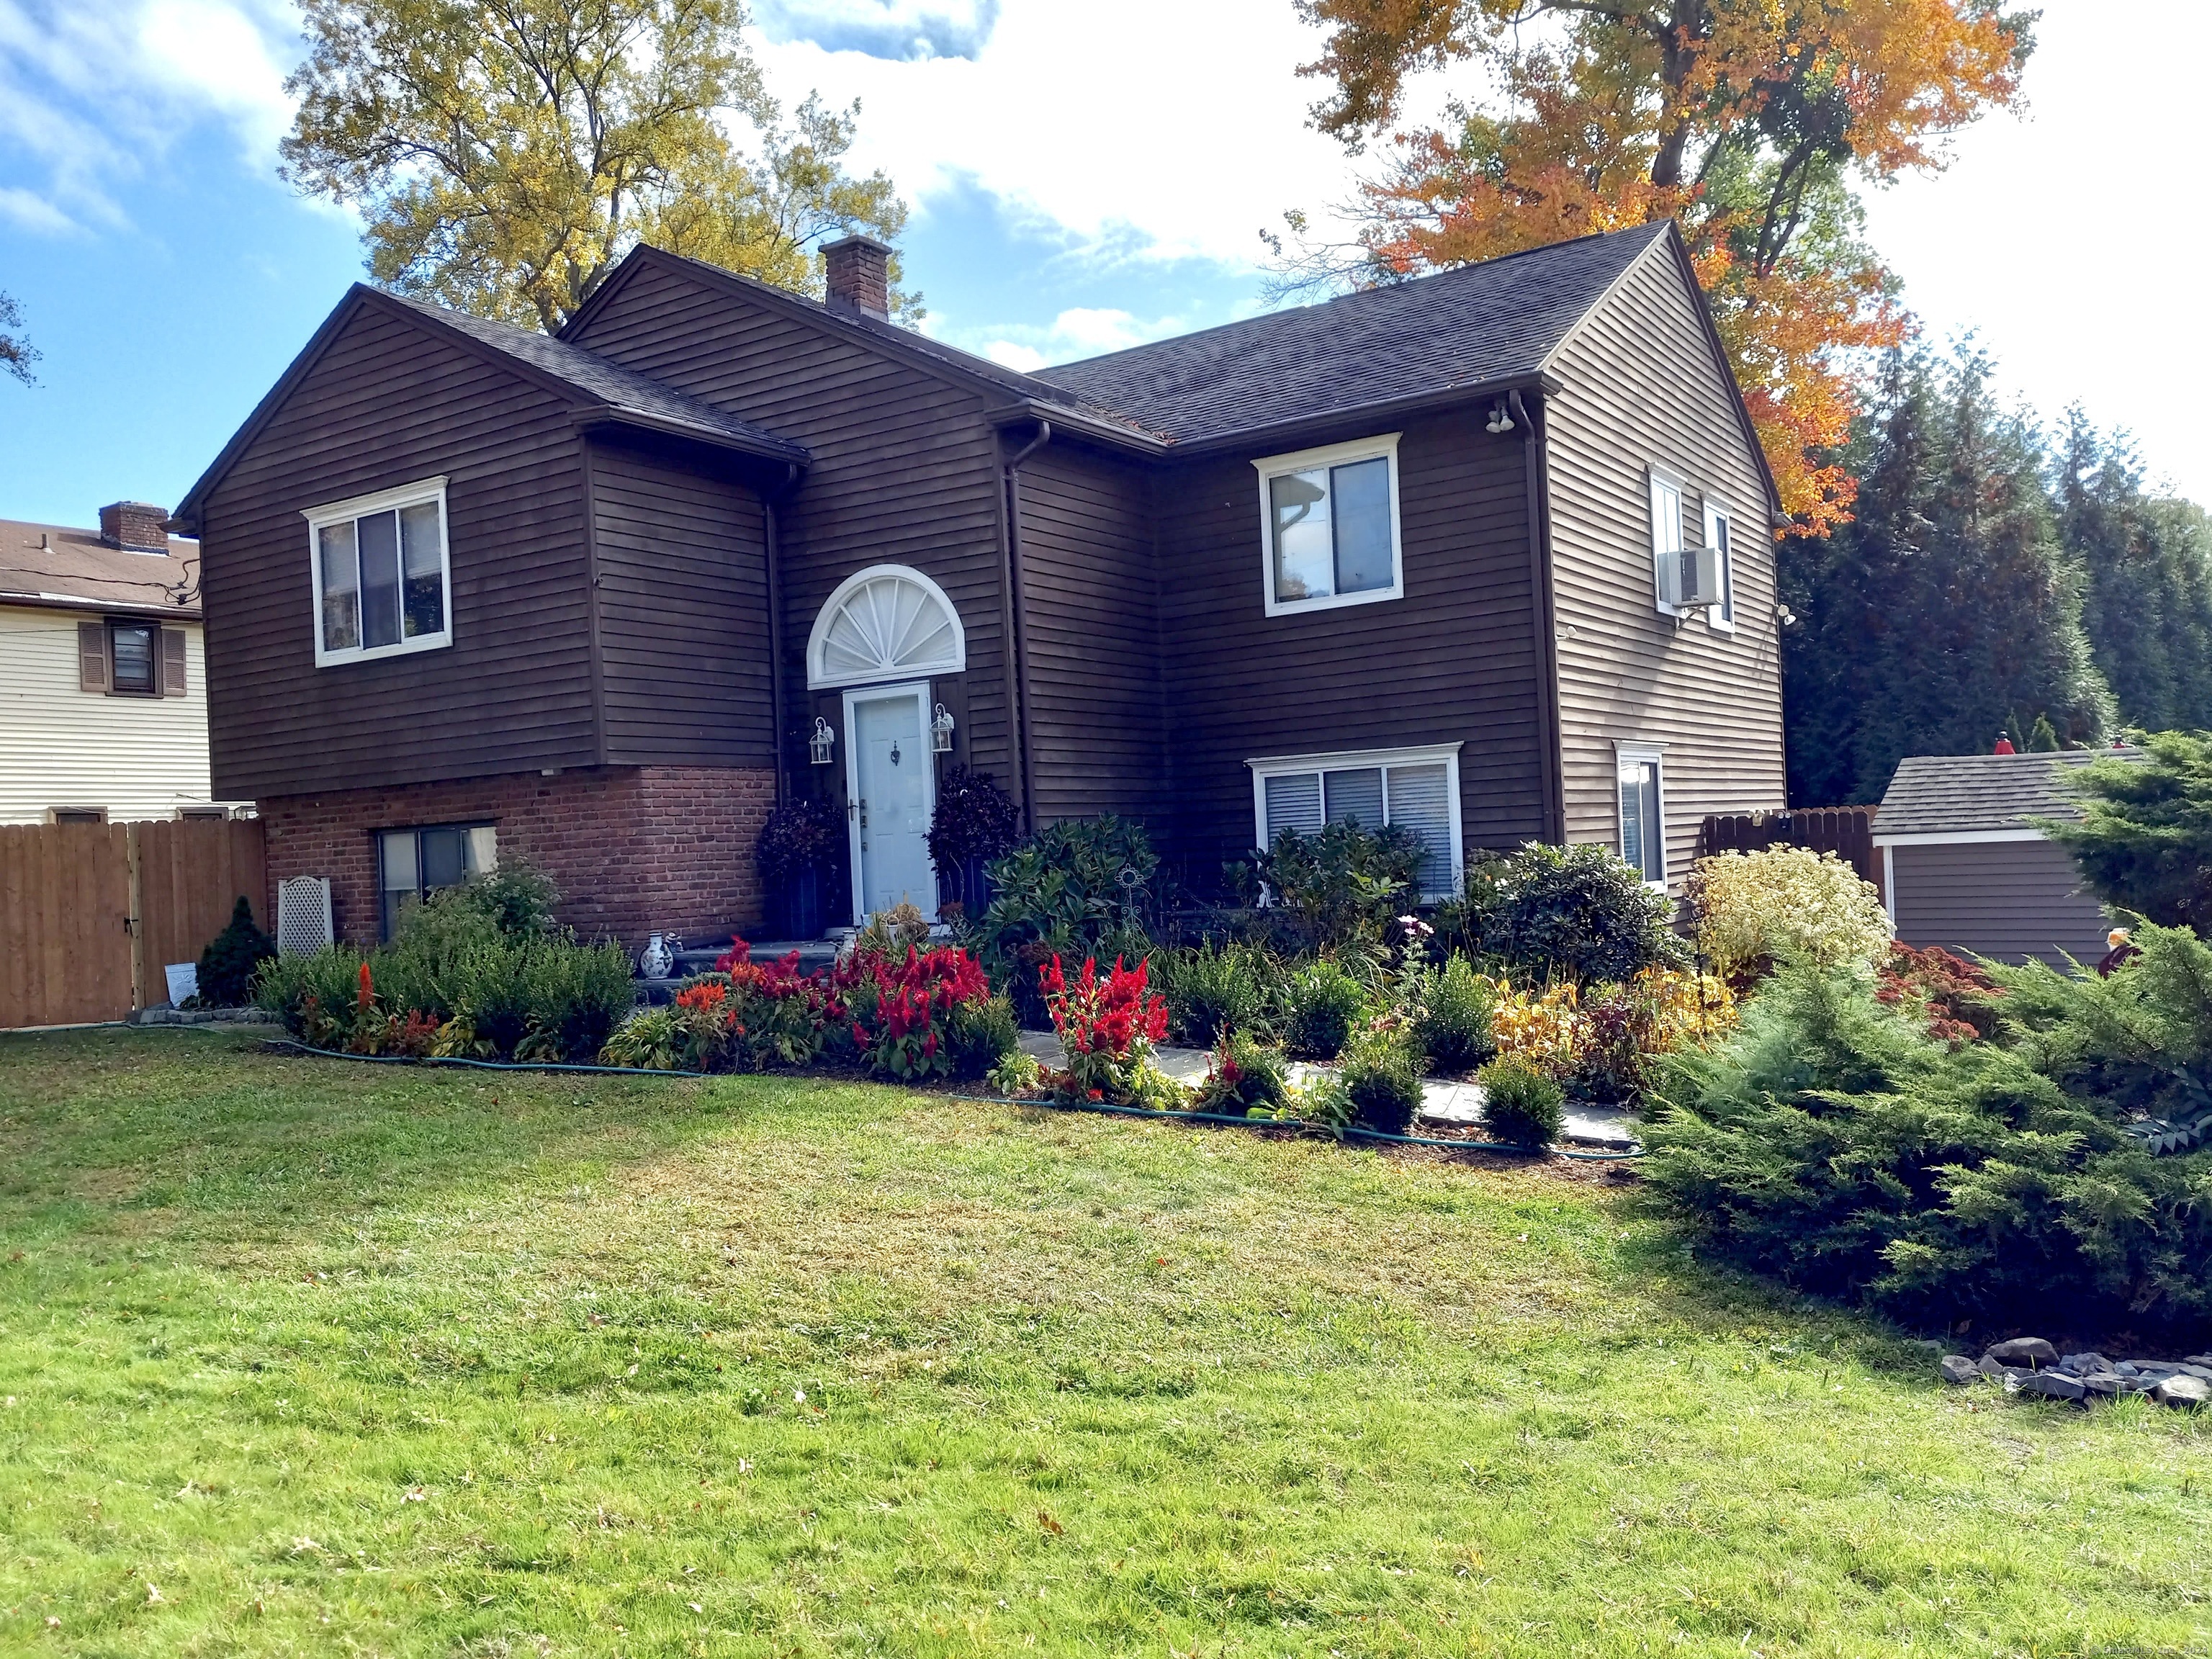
<point>301,1356</point>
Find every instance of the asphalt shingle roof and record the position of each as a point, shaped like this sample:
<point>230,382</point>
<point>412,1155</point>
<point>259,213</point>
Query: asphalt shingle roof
<point>52,564</point>
<point>1476,325</point>
<point>1943,795</point>
<point>622,390</point>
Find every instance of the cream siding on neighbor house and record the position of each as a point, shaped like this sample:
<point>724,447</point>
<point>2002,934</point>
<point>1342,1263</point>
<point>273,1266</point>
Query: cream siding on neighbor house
<point>140,757</point>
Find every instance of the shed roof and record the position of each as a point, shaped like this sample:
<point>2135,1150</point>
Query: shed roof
<point>64,568</point>
<point>1474,326</point>
<point>1974,794</point>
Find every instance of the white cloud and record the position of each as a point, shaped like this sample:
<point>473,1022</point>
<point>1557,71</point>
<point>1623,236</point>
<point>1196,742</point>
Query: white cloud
<point>1079,331</point>
<point>1148,129</point>
<point>88,95</point>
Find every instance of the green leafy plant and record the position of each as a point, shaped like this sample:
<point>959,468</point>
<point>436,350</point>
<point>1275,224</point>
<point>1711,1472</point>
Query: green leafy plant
<point>891,934</point>
<point>1244,1075</point>
<point>232,957</point>
<point>1451,1010</point>
<point>1074,889</point>
<point>1212,989</point>
<point>984,1033</point>
<point>649,1039</point>
<point>1523,1105</point>
<point>1581,913</point>
<point>1325,1004</point>
<point>1016,1073</point>
<point>1754,908</point>
<point>1380,1077</point>
<point>1345,883</point>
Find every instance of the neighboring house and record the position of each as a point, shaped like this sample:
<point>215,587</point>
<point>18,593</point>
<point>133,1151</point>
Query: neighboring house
<point>103,707</point>
<point>1963,868</point>
<point>1488,553</point>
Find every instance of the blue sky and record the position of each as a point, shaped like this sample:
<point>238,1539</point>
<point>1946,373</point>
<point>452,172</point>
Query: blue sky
<point>1082,178</point>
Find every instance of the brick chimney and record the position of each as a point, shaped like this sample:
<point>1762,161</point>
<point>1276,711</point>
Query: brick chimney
<point>859,277</point>
<point>139,525</point>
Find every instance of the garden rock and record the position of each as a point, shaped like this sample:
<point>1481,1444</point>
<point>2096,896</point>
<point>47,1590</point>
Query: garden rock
<point>2023,1351</point>
<point>2183,1391</point>
<point>2084,1364</point>
<point>2055,1385</point>
<point>1958,1369</point>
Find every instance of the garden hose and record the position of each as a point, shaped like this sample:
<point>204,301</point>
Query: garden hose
<point>1099,1106</point>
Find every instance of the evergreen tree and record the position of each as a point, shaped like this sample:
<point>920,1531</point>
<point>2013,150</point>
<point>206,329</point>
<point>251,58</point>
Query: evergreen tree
<point>1947,608</point>
<point>2147,605</point>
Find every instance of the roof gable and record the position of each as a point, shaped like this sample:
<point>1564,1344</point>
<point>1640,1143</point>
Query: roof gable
<point>598,388</point>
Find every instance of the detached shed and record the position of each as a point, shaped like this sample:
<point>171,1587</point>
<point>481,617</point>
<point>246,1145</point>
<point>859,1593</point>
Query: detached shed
<point>1963,869</point>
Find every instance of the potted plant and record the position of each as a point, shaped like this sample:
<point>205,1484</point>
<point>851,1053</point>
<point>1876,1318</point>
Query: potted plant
<point>975,823</point>
<point>797,847</point>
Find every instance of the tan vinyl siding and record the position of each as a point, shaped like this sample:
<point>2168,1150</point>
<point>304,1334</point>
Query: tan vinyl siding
<point>904,471</point>
<point>1642,387</point>
<point>390,402</point>
<point>60,745</point>
<point>1454,660</point>
<point>2008,899</point>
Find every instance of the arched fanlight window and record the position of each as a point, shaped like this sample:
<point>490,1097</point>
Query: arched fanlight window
<point>886,623</point>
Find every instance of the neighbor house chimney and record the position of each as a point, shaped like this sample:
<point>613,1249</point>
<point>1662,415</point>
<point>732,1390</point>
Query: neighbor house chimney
<point>136,525</point>
<point>860,276</point>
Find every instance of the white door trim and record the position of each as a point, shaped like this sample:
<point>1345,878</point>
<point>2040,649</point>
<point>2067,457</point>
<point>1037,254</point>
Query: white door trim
<point>919,690</point>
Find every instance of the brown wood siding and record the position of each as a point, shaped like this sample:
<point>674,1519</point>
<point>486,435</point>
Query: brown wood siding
<point>904,471</point>
<point>1093,632</point>
<point>682,568</point>
<point>389,402</point>
<point>1453,661</point>
<point>1642,386</point>
<point>2008,899</point>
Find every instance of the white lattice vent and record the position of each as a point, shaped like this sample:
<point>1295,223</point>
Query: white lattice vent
<point>303,915</point>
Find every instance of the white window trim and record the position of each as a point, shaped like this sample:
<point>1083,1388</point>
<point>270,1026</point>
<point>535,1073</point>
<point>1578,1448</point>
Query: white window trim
<point>1273,466</point>
<point>1270,766</point>
<point>1627,754</point>
<point>384,501</point>
<point>1721,617</point>
<point>1655,475</point>
<point>953,662</point>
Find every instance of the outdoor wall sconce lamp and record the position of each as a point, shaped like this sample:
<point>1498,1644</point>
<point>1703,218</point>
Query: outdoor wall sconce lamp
<point>822,744</point>
<point>940,731</point>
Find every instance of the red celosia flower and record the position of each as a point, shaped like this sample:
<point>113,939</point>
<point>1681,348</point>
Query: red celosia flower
<point>366,996</point>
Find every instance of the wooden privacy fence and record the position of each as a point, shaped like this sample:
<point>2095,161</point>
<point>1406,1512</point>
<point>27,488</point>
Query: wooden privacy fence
<point>91,913</point>
<point>1846,831</point>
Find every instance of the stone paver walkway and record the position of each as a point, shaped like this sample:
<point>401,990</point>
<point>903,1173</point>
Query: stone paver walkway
<point>1443,1101</point>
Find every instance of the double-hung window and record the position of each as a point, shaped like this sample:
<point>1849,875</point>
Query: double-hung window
<point>412,864</point>
<point>1721,616</point>
<point>1642,812</point>
<point>1328,525</point>
<point>383,581</point>
<point>1418,789</point>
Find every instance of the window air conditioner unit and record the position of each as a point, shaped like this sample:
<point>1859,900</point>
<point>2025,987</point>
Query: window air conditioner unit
<point>1700,585</point>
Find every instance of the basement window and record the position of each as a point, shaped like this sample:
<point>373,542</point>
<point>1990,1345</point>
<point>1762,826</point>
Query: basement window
<point>413,864</point>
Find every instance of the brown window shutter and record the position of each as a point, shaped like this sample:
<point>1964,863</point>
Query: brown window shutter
<point>92,656</point>
<point>173,662</point>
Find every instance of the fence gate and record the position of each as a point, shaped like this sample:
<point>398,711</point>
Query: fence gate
<point>1846,831</point>
<point>91,913</point>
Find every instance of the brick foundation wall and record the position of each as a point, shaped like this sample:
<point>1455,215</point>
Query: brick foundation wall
<point>633,850</point>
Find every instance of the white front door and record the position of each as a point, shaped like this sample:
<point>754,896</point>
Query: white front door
<point>891,788</point>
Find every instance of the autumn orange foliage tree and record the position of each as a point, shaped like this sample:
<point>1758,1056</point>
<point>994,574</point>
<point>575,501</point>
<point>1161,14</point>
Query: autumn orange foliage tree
<point>1747,122</point>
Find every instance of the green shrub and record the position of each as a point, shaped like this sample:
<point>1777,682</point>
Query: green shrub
<point>649,1039</point>
<point>1834,1143</point>
<point>1325,1004</point>
<point>232,959</point>
<point>983,1034</point>
<point>2144,839</point>
<point>1074,889</point>
<point>575,995</point>
<point>1211,990</point>
<point>1521,1105</point>
<point>1756,909</point>
<point>1243,1076</point>
<point>305,991</point>
<point>1345,883</point>
<point>1450,1008</point>
<point>1579,913</point>
<point>1380,1079</point>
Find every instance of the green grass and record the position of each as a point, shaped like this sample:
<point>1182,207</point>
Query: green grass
<point>371,1360</point>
